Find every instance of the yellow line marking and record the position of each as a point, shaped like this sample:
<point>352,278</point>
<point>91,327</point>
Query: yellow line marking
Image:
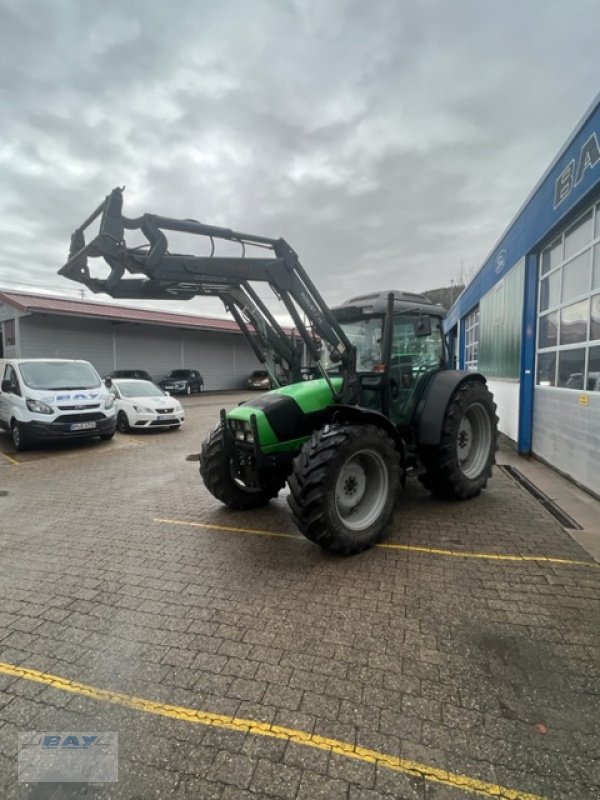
<point>11,459</point>
<point>336,746</point>
<point>434,551</point>
<point>226,528</point>
<point>488,556</point>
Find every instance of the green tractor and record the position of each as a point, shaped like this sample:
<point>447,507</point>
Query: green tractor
<point>383,403</point>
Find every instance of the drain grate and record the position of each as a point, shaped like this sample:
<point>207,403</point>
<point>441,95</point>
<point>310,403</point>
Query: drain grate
<point>565,520</point>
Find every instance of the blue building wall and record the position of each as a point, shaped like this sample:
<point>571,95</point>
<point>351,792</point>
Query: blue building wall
<point>571,180</point>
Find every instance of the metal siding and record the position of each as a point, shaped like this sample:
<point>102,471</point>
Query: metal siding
<point>566,434</point>
<point>506,397</point>
<point>224,360</point>
<point>500,324</point>
<point>154,348</point>
<point>64,337</point>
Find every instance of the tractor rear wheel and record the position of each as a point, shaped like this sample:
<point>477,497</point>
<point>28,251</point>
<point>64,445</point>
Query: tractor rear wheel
<point>343,487</point>
<point>460,466</point>
<point>218,473</point>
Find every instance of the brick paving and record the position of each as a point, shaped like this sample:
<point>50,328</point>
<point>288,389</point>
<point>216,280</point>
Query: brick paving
<point>488,669</point>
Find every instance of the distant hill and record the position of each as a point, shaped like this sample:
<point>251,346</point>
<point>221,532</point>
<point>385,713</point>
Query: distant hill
<point>445,296</point>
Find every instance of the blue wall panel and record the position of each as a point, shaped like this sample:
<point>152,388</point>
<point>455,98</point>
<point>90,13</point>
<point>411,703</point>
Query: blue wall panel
<point>528,356</point>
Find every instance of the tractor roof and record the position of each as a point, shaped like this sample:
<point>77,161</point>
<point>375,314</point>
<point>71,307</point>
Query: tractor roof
<point>376,302</point>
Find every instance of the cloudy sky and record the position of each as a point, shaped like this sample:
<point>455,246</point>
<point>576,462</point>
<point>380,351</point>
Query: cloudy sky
<point>390,142</point>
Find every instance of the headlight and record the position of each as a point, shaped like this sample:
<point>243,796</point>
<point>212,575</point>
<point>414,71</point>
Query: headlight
<point>38,407</point>
<point>242,431</point>
<point>109,401</point>
<point>144,410</point>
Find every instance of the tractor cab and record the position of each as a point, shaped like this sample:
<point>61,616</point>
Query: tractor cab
<point>399,344</point>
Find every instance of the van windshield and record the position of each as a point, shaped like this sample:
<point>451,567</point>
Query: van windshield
<point>56,375</point>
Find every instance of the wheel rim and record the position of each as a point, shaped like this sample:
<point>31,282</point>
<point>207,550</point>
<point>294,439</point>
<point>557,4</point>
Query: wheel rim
<point>361,490</point>
<point>474,440</point>
<point>16,436</point>
<point>188,389</point>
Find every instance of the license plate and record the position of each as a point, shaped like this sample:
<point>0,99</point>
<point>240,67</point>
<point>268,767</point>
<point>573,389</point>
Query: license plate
<point>163,417</point>
<point>82,426</point>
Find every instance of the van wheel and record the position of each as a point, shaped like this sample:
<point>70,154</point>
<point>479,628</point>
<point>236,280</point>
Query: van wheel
<point>18,436</point>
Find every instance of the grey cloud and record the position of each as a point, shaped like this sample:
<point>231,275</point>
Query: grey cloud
<point>388,143</point>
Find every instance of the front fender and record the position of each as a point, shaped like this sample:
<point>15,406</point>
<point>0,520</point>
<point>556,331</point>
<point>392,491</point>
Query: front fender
<point>357,415</point>
<point>429,416</point>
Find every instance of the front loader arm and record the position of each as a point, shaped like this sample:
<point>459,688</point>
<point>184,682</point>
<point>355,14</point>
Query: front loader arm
<point>165,275</point>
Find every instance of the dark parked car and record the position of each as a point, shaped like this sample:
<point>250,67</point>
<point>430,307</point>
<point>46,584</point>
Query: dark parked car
<point>259,379</point>
<point>182,381</point>
<point>136,374</point>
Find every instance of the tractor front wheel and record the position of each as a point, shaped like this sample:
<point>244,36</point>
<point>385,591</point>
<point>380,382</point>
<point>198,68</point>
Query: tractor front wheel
<point>218,473</point>
<point>460,466</point>
<point>343,487</point>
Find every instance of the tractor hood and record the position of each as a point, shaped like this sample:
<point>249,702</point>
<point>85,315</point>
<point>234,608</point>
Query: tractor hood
<point>289,414</point>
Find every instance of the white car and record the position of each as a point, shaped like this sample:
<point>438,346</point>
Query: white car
<point>141,404</point>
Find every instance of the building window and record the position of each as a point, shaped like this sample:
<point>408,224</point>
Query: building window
<point>569,307</point>
<point>9,332</point>
<point>472,340</point>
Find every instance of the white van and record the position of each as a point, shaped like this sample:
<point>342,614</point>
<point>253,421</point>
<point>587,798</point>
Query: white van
<point>53,398</point>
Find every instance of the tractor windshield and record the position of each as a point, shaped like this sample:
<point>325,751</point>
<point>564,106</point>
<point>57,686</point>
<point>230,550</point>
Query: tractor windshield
<point>366,336</point>
<point>409,345</point>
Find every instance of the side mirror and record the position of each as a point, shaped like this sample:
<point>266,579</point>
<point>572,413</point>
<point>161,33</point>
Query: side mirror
<point>108,382</point>
<point>167,393</point>
<point>7,387</point>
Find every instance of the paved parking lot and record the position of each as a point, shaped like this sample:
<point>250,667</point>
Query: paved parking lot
<point>236,660</point>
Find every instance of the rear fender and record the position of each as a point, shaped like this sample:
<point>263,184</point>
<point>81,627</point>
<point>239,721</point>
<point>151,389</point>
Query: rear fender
<point>431,410</point>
